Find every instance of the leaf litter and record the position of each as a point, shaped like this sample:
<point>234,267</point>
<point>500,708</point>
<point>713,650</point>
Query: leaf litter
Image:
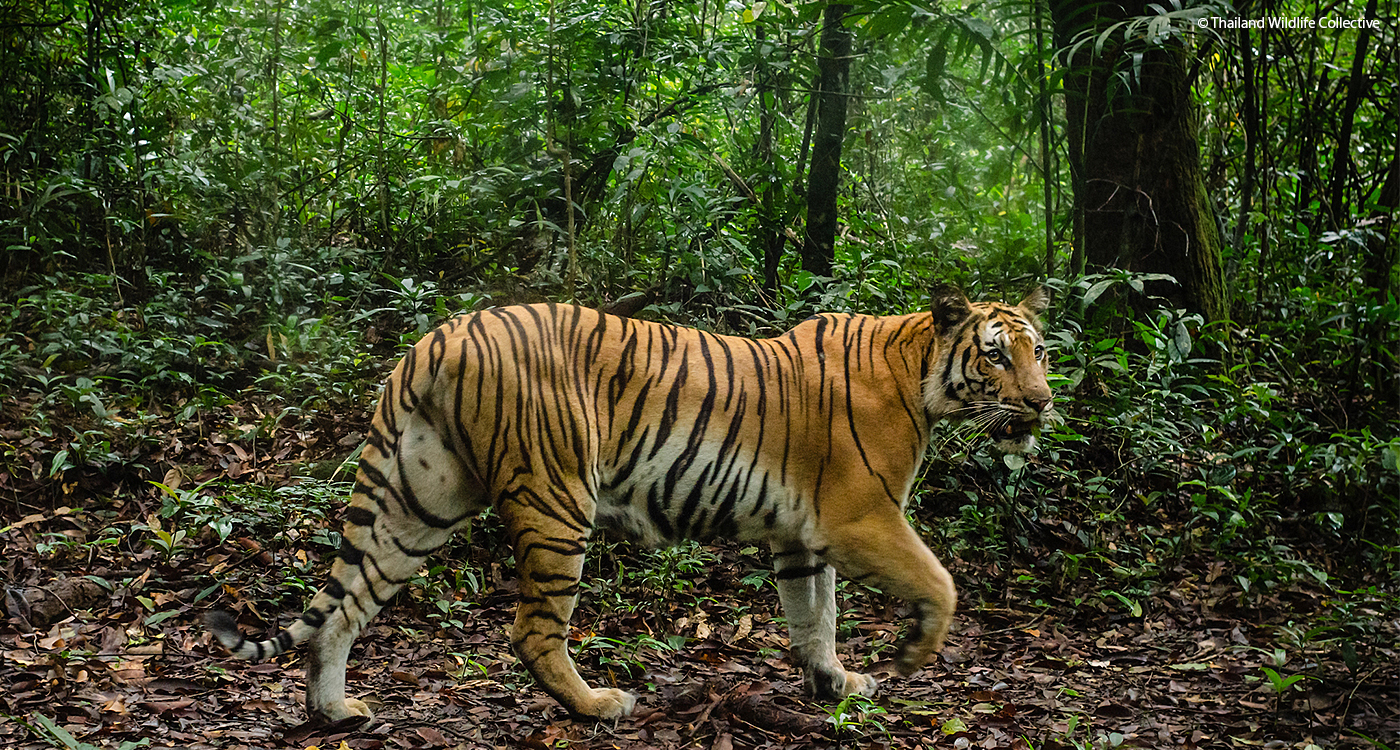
<point>101,646</point>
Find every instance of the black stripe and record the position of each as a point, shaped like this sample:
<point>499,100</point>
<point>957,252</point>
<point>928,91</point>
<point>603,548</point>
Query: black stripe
<point>669,413</point>
<point>657,513</point>
<point>569,591</point>
<point>566,550</point>
<point>359,516</point>
<point>552,577</point>
<point>349,553</point>
<point>800,571</point>
<point>544,614</point>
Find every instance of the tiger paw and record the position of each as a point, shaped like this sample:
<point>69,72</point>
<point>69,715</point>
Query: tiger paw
<point>836,684</point>
<point>357,708</point>
<point>863,684</point>
<point>608,703</point>
<point>346,709</point>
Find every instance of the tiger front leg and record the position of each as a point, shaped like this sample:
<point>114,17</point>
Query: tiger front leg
<point>882,550</point>
<point>549,561</point>
<point>807,589</point>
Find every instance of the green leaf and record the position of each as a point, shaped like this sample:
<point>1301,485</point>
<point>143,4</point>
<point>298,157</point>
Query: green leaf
<point>60,463</point>
<point>329,51</point>
<point>933,71</point>
<point>1280,683</point>
<point>59,733</point>
<point>161,616</point>
<point>751,14</point>
<point>953,726</point>
<point>1183,339</point>
<point>1390,458</point>
<point>890,20</point>
<point>1133,606</point>
<point>223,527</point>
<point>206,592</point>
<point>1096,291</point>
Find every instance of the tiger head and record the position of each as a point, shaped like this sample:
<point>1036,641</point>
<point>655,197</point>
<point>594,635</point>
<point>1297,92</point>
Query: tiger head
<point>990,366</point>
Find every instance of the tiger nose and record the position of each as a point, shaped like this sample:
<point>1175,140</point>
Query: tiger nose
<point>1038,404</point>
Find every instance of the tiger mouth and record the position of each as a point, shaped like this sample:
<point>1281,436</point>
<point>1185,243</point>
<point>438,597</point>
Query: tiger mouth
<point>1014,430</point>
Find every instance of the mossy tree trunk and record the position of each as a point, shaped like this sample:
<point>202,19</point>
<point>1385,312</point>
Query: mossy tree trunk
<point>1140,197</point>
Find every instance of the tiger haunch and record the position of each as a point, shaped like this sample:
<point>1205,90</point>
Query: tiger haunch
<point>566,419</point>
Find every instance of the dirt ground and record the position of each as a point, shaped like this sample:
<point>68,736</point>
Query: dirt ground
<point>129,665</point>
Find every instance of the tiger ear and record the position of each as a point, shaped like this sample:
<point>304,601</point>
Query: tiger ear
<point>1037,302</point>
<point>949,306</point>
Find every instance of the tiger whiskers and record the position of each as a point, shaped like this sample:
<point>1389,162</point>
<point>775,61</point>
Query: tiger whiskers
<point>985,417</point>
<point>980,418</point>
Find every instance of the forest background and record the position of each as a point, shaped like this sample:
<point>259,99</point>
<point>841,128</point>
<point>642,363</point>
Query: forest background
<point>223,221</point>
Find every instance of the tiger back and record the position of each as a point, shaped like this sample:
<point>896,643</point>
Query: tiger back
<point>565,420</point>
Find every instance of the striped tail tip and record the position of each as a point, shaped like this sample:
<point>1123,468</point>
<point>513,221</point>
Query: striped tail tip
<point>225,628</point>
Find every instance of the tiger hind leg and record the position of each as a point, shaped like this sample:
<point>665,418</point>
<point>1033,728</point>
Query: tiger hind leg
<point>328,655</point>
<point>549,539</point>
<point>807,590</point>
<point>406,504</point>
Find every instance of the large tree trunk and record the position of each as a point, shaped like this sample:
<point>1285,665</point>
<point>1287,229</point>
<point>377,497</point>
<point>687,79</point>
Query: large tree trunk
<point>824,179</point>
<point>1140,197</point>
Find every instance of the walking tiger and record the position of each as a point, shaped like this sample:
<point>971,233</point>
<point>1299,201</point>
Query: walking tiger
<point>566,420</point>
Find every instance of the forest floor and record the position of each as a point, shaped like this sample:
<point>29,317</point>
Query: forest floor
<point>120,660</point>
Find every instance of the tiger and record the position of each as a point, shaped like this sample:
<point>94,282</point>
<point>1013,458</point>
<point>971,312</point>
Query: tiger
<point>566,420</point>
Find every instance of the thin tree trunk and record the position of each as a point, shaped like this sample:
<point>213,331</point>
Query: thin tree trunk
<point>1382,256</point>
<point>799,187</point>
<point>273,189</point>
<point>383,155</point>
<point>824,179</point>
<point>1342,168</point>
<point>1251,140</point>
<point>1266,170</point>
<point>1313,99</point>
<point>1045,114</point>
<point>274,73</point>
<point>770,230</point>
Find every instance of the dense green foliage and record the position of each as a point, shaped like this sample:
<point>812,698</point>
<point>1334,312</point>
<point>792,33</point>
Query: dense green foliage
<point>214,203</point>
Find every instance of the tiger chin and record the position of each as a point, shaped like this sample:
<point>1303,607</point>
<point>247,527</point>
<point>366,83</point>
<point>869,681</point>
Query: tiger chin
<point>566,420</point>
